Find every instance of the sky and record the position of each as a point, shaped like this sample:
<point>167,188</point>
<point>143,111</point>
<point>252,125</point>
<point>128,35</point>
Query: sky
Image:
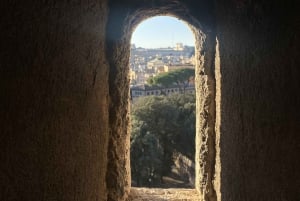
<point>162,31</point>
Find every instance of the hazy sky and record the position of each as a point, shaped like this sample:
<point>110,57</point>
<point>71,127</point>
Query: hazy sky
<point>162,31</point>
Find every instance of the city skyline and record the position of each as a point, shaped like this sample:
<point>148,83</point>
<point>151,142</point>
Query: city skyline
<point>162,32</point>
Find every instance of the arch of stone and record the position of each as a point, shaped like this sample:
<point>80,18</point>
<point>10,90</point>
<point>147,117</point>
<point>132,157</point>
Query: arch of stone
<point>122,21</point>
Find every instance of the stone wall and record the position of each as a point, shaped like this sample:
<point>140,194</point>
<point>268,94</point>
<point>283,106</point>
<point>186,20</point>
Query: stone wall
<point>54,101</point>
<point>259,103</point>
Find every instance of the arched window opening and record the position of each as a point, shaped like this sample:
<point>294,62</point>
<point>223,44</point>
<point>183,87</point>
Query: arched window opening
<point>119,31</point>
<point>163,125</point>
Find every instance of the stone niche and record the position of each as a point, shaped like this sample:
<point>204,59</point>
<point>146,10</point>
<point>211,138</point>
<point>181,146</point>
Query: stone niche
<point>123,18</point>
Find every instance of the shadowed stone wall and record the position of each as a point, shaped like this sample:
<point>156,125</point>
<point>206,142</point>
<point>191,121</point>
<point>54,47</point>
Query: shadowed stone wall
<point>260,105</point>
<point>54,101</point>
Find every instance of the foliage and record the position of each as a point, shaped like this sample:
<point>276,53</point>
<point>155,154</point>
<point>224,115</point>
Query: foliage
<point>161,125</point>
<point>180,77</point>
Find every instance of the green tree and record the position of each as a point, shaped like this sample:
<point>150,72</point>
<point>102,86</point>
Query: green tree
<point>180,77</point>
<point>186,120</point>
<point>160,126</point>
<point>183,77</point>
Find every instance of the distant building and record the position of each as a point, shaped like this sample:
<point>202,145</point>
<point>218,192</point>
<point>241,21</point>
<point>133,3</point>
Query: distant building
<point>136,77</point>
<point>179,47</point>
<point>160,69</point>
<point>132,47</point>
<point>146,63</point>
<point>157,62</point>
<point>147,90</point>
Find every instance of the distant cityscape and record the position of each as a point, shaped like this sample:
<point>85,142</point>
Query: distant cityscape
<point>146,63</point>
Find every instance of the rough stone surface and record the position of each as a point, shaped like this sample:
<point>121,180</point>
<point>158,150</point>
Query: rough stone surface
<point>64,99</point>
<point>54,101</point>
<point>259,103</point>
<point>158,194</point>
